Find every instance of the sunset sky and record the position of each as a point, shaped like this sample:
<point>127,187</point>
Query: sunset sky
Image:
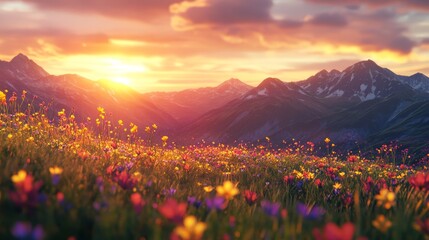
<point>164,45</point>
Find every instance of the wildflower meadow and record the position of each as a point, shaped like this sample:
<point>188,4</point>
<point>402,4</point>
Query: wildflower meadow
<point>63,179</point>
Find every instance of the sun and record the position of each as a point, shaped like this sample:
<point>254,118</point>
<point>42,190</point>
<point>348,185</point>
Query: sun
<point>122,80</point>
<point>122,69</point>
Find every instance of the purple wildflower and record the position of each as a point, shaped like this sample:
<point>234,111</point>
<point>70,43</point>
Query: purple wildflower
<point>216,203</point>
<point>194,201</point>
<point>311,213</point>
<point>270,208</point>
<point>24,230</point>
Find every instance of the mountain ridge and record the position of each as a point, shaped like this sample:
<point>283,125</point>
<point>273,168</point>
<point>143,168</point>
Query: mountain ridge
<point>364,102</point>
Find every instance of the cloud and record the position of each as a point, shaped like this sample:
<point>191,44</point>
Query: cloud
<point>421,5</point>
<point>329,19</point>
<point>142,10</point>
<point>425,41</point>
<point>230,12</point>
<point>369,30</point>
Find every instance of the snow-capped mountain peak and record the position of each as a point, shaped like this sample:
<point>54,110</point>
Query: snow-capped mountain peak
<point>362,81</point>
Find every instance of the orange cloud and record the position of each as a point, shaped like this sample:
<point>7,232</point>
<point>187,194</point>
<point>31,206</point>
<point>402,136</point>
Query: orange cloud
<point>142,10</point>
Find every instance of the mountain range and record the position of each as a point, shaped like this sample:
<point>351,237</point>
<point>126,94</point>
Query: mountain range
<point>364,104</point>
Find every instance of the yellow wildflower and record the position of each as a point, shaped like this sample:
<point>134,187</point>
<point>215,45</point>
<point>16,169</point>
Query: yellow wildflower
<point>164,138</point>
<point>19,177</point>
<point>134,128</point>
<point>337,186</point>
<point>191,229</point>
<point>327,140</point>
<point>61,113</point>
<point>208,188</point>
<point>228,190</point>
<point>382,223</point>
<point>55,170</point>
<point>385,198</point>
<point>101,111</point>
<point>2,97</point>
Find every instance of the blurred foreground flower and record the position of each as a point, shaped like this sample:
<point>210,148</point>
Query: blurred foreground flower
<point>333,232</point>
<point>137,202</point>
<point>420,181</point>
<point>173,210</point>
<point>308,212</point>
<point>55,174</point>
<point>24,230</point>
<point>191,229</point>
<point>382,223</point>
<point>19,177</point>
<point>26,190</point>
<point>217,203</point>
<point>271,209</point>
<point>422,226</point>
<point>385,198</point>
<point>228,190</point>
<point>194,201</point>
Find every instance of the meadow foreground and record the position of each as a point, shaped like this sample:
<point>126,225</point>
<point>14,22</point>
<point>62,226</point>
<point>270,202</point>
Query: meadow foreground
<point>65,180</point>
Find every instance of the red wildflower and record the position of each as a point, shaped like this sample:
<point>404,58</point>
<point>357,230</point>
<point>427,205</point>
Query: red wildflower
<point>27,191</point>
<point>333,232</point>
<point>318,183</point>
<point>368,185</point>
<point>353,158</point>
<point>172,210</point>
<point>186,167</point>
<point>288,179</point>
<point>420,181</point>
<point>250,197</point>
<point>126,180</point>
<point>331,172</point>
<point>137,202</point>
